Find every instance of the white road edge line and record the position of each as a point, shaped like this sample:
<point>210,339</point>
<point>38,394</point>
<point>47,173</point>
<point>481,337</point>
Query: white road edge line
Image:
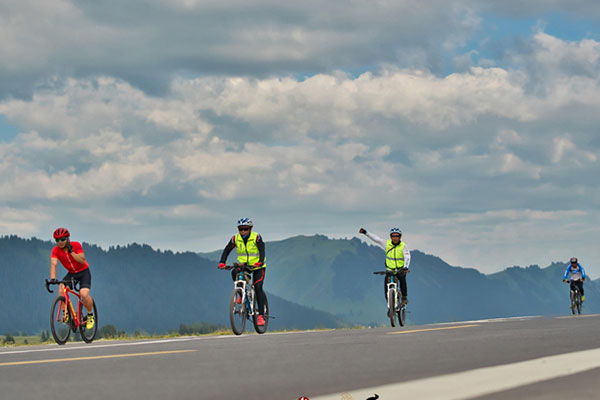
<point>96,345</point>
<point>482,381</point>
<point>502,319</point>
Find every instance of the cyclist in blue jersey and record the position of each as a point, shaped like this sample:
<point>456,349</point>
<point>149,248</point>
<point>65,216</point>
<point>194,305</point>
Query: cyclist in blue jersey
<point>577,276</point>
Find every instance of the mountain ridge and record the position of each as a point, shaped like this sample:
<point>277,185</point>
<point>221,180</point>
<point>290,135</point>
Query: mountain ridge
<point>312,281</point>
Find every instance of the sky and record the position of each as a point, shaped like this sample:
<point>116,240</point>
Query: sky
<point>473,126</point>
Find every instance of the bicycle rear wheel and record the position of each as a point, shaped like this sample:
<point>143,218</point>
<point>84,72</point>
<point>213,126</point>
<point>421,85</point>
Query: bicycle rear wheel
<point>261,329</point>
<point>88,335</point>
<point>237,313</point>
<point>60,322</point>
<point>402,315</point>
<point>392,307</point>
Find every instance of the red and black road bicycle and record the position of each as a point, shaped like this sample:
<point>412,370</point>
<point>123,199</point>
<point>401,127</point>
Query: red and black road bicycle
<point>64,319</point>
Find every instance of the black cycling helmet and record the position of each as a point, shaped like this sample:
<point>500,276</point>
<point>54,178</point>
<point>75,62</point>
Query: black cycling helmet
<point>573,260</point>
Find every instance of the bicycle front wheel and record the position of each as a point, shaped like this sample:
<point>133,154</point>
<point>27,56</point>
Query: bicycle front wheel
<point>260,329</point>
<point>88,335</point>
<point>402,315</point>
<point>578,303</point>
<point>392,307</point>
<point>60,322</point>
<point>237,312</point>
<point>573,305</point>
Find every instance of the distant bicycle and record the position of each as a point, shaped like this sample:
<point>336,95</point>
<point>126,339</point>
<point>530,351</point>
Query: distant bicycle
<point>575,297</point>
<point>395,305</point>
<point>243,303</point>
<point>64,319</point>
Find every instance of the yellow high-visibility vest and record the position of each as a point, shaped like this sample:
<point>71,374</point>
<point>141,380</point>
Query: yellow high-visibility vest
<point>394,255</point>
<point>248,252</point>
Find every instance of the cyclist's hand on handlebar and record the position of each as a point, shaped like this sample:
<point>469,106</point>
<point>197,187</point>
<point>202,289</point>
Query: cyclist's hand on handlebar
<point>564,280</point>
<point>222,265</point>
<point>258,264</point>
<point>362,230</point>
<point>53,281</point>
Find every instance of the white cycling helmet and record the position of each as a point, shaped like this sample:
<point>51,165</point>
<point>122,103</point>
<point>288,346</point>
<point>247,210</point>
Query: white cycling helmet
<point>395,230</point>
<point>244,222</point>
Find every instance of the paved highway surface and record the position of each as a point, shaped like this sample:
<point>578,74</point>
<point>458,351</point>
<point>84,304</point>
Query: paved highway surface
<point>521,358</point>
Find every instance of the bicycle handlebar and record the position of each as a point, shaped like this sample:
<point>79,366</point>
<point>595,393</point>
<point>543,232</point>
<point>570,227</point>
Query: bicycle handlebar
<point>244,267</point>
<point>402,270</point>
<point>64,282</point>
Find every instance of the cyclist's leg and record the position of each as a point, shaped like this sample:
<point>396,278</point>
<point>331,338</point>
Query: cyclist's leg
<point>403,287</point>
<point>580,286</point>
<point>258,278</point>
<point>61,287</point>
<point>85,284</point>
<point>573,285</point>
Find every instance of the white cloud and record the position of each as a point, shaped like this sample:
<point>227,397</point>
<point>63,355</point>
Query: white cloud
<point>184,121</point>
<point>25,221</point>
<point>560,146</point>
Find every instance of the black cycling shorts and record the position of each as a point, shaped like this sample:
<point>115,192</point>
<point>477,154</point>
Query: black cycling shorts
<point>83,277</point>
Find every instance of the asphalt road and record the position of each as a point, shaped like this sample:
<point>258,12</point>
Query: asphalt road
<point>340,364</point>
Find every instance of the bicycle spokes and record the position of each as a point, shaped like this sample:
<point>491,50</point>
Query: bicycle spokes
<point>88,334</point>
<point>61,321</point>
<point>237,312</point>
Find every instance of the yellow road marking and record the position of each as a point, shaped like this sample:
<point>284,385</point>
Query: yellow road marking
<point>433,329</point>
<point>93,357</point>
<point>578,316</point>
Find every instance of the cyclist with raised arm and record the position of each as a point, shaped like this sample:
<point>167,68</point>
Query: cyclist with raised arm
<point>397,258</point>
<point>71,256</point>
<point>577,276</point>
<point>251,251</point>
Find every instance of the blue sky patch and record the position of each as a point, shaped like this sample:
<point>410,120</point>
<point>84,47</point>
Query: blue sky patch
<point>7,131</point>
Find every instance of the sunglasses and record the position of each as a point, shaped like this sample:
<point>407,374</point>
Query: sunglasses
<point>395,236</point>
<point>61,239</point>
<point>243,229</point>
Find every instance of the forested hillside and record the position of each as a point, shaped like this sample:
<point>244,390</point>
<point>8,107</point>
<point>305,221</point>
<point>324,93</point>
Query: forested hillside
<point>335,275</point>
<point>135,287</point>
<point>312,281</point>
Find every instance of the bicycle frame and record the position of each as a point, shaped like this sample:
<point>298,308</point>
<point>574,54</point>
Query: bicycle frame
<point>69,303</point>
<point>392,285</point>
<point>247,291</point>
<point>394,304</point>
<point>66,292</point>
<point>575,296</point>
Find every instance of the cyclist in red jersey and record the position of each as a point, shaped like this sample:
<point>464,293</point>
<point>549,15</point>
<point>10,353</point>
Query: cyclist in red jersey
<point>71,256</point>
